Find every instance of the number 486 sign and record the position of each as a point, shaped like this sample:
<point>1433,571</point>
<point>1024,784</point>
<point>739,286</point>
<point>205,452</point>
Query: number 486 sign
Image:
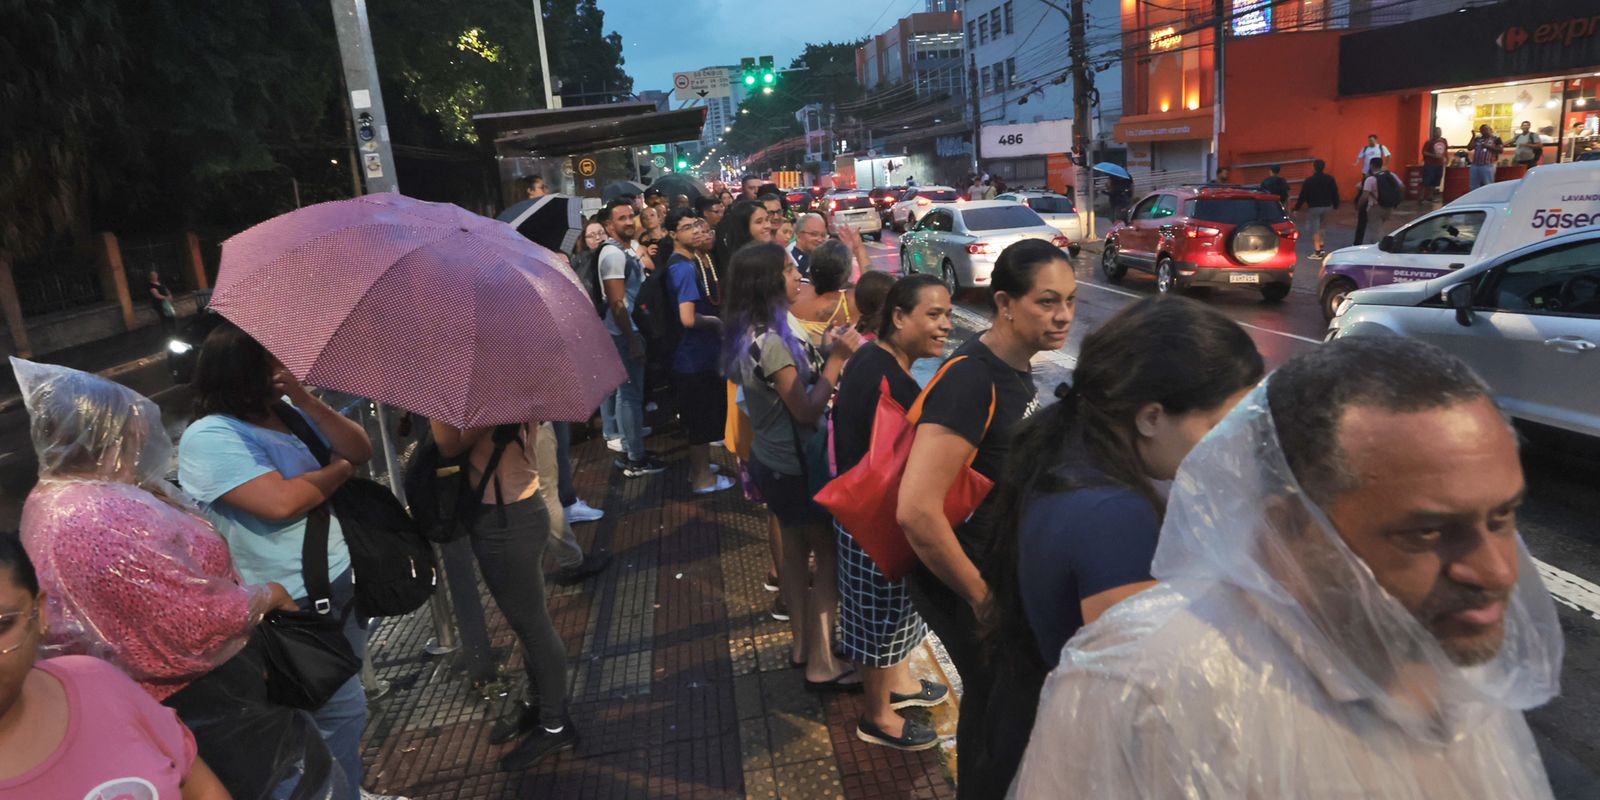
<point>1027,139</point>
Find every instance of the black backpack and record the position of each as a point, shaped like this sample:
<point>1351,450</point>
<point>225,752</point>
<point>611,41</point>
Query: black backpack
<point>655,312</point>
<point>393,566</point>
<point>1390,192</point>
<point>587,265</point>
<point>443,499</point>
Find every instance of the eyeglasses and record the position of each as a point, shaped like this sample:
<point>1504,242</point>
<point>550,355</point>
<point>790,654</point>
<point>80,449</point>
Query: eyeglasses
<point>14,629</point>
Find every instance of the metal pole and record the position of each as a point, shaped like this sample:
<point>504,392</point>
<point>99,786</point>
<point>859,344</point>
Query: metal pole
<point>1082,178</point>
<point>544,54</point>
<point>1216,105</point>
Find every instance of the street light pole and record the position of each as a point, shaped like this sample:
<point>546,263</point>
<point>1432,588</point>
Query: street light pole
<point>544,54</point>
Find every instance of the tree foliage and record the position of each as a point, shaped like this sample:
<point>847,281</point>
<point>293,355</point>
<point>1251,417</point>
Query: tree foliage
<point>166,113</point>
<point>822,73</point>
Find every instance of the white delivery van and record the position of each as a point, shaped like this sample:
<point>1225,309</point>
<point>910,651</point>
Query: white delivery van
<point>1479,225</point>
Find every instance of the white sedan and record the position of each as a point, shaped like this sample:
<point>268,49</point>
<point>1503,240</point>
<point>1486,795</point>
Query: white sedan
<point>917,201</point>
<point>959,243</point>
<point>1055,209</point>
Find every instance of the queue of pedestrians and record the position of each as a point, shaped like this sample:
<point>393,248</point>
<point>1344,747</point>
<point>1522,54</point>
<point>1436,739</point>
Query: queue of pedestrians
<point>1174,576</point>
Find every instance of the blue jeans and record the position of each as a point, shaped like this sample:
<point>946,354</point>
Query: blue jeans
<point>628,403</point>
<point>564,487</point>
<point>1482,175</point>
<point>344,717</point>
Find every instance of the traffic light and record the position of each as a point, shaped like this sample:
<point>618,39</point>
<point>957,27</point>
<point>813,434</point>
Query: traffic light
<point>762,72</point>
<point>683,164</point>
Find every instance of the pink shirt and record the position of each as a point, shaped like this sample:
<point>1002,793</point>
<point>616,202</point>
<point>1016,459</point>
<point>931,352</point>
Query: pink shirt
<point>136,581</point>
<point>120,744</point>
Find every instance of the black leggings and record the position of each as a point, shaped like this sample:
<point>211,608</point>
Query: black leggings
<point>510,551</point>
<point>957,628</point>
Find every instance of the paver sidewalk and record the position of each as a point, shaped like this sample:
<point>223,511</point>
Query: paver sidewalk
<point>680,681</point>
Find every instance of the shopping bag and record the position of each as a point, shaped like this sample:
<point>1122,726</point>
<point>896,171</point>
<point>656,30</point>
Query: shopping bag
<point>865,498</point>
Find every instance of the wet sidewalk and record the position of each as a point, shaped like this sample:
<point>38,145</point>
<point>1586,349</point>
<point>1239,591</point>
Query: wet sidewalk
<point>680,680</point>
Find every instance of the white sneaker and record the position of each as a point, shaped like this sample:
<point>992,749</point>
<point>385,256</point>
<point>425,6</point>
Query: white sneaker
<point>719,483</point>
<point>651,408</point>
<point>583,512</point>
<point>366,795</point>
<point>614,445</point>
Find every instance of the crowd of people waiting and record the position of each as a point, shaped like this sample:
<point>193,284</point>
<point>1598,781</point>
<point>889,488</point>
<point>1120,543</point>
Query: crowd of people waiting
<point>1185,581</point>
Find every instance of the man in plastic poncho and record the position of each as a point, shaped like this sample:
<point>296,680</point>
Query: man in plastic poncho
<point>1346,609</point>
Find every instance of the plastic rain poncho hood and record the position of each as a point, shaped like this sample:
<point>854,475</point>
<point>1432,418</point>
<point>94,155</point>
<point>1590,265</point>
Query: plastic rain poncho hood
<point>1221,683</point>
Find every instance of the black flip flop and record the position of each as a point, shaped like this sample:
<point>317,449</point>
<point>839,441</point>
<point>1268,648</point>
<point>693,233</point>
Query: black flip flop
<point>833,684</point>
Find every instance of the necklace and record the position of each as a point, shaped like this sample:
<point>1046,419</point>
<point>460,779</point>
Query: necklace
<point>708,279</point>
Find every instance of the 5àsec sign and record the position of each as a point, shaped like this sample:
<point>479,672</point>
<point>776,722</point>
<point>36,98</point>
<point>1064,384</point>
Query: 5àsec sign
<point>1027,139</point>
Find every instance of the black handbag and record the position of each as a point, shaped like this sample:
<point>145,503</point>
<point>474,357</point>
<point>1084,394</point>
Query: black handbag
<point>307,655</point>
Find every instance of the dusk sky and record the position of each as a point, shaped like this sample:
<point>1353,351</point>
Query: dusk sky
<point>661,37</point>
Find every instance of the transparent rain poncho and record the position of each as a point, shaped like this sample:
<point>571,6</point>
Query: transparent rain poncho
<point>137,577</point>
<point>1221,683</point>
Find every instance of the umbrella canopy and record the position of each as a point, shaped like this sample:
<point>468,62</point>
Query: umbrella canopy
<point>1114,170</point>
<point>555,220</point>
<point>425,306</point>
<point>619,188</point>
<point>674,183</point>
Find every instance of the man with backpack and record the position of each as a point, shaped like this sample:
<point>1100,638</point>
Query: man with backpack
<point>620,276</point>
<point>1381,193</point>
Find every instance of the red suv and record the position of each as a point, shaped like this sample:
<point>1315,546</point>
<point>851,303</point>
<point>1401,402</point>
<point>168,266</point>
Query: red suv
<point>1206,236</point>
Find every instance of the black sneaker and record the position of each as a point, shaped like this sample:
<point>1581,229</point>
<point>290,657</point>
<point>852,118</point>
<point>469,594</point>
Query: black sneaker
<point>592,564</point>
<point>932,694</point>
<point>642,467</point>
<point>522,718</point>
<point>540,743</point>
<point>915,735</point>
<point>780,610</point>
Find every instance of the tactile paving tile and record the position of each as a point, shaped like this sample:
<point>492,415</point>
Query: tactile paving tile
<point>809,780</point>
<point>798,737</point>
<point>760,784</point>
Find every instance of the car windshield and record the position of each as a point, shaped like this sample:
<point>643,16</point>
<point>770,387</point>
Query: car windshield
<point>938,195</point>
<point>853,201</point>
<point>1236,210</point>
<point>1051,205</point>
<point>1000,217</point>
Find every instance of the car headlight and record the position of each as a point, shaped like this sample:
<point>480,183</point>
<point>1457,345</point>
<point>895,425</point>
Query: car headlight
<point>1344,305</point>
<point>178,347</point>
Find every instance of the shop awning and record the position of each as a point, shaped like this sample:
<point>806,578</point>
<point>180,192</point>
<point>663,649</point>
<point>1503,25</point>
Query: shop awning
<point>560,132</point>
<point>1168,127</point>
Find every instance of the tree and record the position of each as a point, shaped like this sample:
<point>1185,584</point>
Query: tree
<point>822,73</point>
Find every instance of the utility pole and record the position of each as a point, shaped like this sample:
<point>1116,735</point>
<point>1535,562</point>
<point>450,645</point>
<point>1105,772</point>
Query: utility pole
<point>977,122</point>
<point>378,171</point>
<point>1221,9</point>
<point>1082,136</point>
<point>544,54</point>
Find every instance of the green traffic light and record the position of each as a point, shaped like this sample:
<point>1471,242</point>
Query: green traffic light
<point>682,164</point>
<point>749,80</point>
<point>768,78</point>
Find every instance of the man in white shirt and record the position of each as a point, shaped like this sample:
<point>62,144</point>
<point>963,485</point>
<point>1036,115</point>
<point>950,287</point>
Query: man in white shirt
<point>621,275</point>
<point>1371,151</point>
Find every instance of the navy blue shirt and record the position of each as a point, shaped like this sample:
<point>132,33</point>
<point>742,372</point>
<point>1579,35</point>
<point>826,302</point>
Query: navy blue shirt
<point>1077,544</point>
<point>697,351</point>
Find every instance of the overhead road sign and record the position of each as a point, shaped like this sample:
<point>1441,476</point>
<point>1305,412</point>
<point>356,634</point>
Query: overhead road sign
<point>700,85</point>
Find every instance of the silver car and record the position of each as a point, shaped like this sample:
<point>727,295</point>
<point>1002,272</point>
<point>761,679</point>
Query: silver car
<point>1528,321</point>
<point>856,209</point>
<point>959,243</point>
<point>916,202</point>
<point>1055,209</point>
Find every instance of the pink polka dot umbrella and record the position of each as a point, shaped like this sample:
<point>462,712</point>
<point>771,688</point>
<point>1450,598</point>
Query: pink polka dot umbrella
<point>424,306</point>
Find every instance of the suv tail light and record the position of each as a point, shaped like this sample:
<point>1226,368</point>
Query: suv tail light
<point>1287,230</point>
<point>1061,241</point>
<point>923,201</point>
<point>833,205</point>
<point>1199,231</point>
<point>979,248</point>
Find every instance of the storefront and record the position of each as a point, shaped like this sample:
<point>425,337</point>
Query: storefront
<point>1535,61</point>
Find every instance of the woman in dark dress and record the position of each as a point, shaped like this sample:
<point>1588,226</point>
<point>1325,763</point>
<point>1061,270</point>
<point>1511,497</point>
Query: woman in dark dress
<point>878,628</point>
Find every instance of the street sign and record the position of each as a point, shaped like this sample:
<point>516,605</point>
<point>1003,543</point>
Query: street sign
<point>659,161</point>
<point>700,85</point>
<point>1026,139</point>
<point>586,167</point>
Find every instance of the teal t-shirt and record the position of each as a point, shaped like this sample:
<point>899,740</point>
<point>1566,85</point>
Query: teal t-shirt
<point>218,454</point>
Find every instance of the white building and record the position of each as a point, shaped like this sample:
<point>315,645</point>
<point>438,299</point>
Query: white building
<point>721,111</point>
<point>1024,78</point>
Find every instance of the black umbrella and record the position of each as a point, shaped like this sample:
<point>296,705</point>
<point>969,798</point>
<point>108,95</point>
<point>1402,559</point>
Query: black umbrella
<point>619,188</point>
<point>674,183</point>
<point>555,220</point>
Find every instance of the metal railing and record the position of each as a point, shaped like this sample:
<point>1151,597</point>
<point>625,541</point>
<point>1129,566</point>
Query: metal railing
<point>61,278</point>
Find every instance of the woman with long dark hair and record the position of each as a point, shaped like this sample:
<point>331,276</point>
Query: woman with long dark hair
<point>258,484</point>
<point>825,301</point>
<point>787,385</point>
<point>745,222</point>
<point>1076,518</point>
<point>878,626</point>
<point>972,411</point>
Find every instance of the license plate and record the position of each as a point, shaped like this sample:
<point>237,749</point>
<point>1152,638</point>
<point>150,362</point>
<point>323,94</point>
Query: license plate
<point>1246,278</point>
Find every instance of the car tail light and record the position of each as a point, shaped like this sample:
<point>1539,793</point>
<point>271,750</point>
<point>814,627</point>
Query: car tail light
<point>1199,231</point>
<point>978,248</point>
<point>833,205</point>
<point>1287,230</point>
<point>1061,241</point>
<point>922,201</point>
